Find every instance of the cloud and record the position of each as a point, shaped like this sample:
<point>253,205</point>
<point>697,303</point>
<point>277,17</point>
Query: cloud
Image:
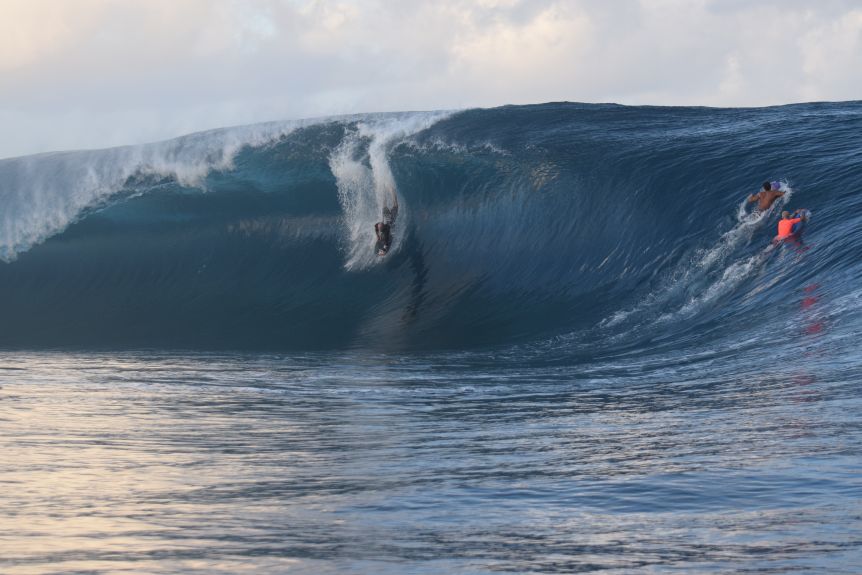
<point>832,57</point>
<point>84,73</point>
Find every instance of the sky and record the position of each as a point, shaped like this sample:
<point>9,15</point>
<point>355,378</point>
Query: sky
<point>100,73</point>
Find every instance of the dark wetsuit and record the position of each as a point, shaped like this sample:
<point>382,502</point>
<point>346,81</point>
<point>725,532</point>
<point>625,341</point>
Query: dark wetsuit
<point>384,230</point>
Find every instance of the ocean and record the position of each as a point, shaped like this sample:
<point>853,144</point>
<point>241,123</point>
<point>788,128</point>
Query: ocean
<point>583,352</point>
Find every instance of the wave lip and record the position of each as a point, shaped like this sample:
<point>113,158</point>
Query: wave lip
<point>45,193</point>
<point>365,181</point>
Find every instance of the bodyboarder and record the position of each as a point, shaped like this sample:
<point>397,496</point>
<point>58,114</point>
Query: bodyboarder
<point>383,229</point>
<point>791,225</point>
<point>766,196</point>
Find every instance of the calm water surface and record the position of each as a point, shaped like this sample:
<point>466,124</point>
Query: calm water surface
<point>167,463</point>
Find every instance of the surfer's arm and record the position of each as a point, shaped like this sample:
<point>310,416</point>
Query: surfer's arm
<point>794,224</point>
<point>752,198</point>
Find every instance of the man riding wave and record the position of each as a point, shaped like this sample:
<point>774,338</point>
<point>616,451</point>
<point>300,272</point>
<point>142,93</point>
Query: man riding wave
<point>383,229</point>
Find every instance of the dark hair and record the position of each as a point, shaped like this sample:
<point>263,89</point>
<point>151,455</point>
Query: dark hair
<point>767,186</point>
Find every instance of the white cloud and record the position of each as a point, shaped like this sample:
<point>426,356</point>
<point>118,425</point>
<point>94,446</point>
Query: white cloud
<point>83,73</point>
<point>525,61</point>
<point>832,58</point>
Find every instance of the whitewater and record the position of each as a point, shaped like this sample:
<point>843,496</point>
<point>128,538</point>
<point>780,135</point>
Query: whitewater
<point>582,353</point>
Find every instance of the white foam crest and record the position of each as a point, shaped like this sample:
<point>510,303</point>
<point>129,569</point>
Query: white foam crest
<point>45,193</point>
<point>365,181</point>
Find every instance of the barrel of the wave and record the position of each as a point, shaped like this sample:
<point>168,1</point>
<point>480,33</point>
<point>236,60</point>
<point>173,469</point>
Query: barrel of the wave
<point>791,226</point>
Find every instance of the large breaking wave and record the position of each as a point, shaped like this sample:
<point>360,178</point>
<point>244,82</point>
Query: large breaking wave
<point>560,227</point>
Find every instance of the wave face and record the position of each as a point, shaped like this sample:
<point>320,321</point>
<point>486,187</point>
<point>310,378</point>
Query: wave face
<point>562,229</point>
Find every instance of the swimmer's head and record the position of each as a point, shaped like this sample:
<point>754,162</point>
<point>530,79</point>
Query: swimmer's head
<point>767,186</point>
<point>785,214</point>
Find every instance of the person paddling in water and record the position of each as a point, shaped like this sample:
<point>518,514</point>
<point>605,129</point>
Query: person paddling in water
<point>791,225</point>
<point>766,196</point>
<point>383,229</point>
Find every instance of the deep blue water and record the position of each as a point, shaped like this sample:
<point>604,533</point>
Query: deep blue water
<point>583,352</point>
